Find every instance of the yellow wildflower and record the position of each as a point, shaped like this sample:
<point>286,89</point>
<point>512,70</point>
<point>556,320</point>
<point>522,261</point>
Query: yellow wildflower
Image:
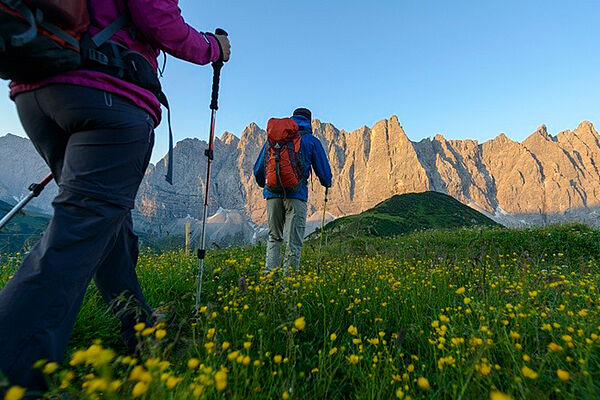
<point>139,389</point>
<point>233,355</point>
<point>423,383</point>
<point>300,323</point>
<point>148,331</point>
<point>562,374</point>
<point>221,379</point>
<point>529,373</point>
<point>172,382</point>
<point>499,396</point>
<point>14,393</point>
<point>79,357</point>
<point>114,386</point>
<point>50,368</point>
<point>554,347</point>
<point>140,374</point>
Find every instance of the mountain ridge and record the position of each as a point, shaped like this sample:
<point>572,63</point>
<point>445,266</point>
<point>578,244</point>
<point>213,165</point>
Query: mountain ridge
<point>494,176</point>
<point>540,180</point>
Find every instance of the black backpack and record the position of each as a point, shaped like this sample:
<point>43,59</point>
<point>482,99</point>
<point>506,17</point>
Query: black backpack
<point>42,38</point>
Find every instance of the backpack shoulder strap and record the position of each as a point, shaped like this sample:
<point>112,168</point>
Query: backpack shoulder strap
<point>30,33</point>
<point>105,34</point>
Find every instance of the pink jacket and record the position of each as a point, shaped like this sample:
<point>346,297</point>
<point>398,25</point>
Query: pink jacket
<point>158,26</point>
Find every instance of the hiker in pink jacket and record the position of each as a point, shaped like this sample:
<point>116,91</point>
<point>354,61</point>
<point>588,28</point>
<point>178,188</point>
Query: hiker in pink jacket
<point>95,131</point>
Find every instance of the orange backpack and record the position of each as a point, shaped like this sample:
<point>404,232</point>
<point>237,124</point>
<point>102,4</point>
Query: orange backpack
<point>284,163</point>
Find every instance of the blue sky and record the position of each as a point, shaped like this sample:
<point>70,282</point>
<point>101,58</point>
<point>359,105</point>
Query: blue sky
<point>466,69</point>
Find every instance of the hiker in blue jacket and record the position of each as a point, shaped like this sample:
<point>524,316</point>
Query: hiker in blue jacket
<point>286,214</point>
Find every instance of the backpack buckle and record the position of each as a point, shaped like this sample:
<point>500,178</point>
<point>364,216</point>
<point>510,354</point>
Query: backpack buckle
<point>97,56</point>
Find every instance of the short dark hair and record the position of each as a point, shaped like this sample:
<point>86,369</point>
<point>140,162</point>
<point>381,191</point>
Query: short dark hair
<point>305,112</point>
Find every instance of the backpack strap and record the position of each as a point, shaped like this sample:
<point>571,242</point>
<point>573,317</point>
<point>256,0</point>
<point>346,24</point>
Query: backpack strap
<point>31,32</point>
<point>59,32</point>
<point>105,34</point>
<point>19,40</point>
<point>162,98</point>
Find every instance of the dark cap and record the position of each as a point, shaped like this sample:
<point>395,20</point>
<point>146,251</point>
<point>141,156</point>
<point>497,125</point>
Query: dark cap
<point>305,112</point>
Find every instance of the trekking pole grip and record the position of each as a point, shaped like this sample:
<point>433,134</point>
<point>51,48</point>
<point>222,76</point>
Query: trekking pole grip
<point>214,104</point>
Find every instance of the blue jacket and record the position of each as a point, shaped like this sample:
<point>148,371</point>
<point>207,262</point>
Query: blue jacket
<point>314,157</point>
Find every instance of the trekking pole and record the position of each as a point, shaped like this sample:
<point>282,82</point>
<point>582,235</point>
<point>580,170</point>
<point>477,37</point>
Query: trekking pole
<point>209,153</point>
<point>35,190</point>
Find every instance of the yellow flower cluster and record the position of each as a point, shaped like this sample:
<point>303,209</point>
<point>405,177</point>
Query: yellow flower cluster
<point>498,328</point>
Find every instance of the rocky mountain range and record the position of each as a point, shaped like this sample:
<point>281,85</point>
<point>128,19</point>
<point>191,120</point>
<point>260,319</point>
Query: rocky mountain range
<point>543,179</point>
<point>20,166</point>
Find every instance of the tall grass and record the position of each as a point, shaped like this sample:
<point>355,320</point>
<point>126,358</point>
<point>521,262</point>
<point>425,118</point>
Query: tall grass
<point>461,314</point>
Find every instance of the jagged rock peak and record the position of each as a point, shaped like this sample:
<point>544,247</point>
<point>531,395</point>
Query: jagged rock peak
<point>391,124</point>
<point>14,138</point>
<point>253,127</point>
<point>439,138</point>
<point>586,127</point>
<point>543,131</point>
<point>188,142</point>
<point>228,138</point>
<point>501,138</point>
<point>251,131</point>
<point>539,136</point>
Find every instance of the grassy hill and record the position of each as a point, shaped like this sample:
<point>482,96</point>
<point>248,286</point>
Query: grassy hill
<point>407,213</point>
<point>442,314</point>
<point>23,231</point>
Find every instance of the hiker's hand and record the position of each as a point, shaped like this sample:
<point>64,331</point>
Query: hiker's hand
<point>225,46</point>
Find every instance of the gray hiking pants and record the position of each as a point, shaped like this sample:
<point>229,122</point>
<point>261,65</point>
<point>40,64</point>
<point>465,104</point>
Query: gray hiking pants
<point>287,222</point>
<point>97,146</point>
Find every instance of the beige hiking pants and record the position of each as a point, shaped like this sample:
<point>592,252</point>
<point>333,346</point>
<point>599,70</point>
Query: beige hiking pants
<point>287,222</point>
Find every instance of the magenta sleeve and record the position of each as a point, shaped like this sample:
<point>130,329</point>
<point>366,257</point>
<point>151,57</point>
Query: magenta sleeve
<point>161,24</point>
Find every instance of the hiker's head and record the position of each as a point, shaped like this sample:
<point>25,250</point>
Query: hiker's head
<point>304,112</point>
